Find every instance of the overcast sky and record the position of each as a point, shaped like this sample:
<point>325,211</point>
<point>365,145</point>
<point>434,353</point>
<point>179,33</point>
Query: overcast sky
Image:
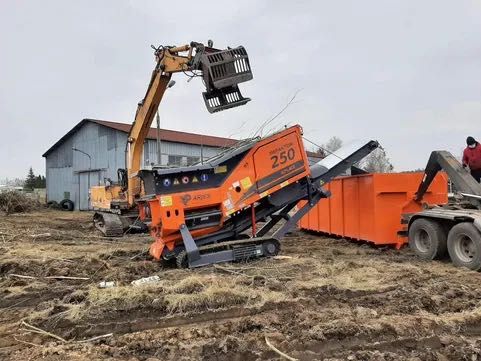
<point>407,73</point>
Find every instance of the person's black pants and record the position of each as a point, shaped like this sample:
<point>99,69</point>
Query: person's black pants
<point>476,173</point>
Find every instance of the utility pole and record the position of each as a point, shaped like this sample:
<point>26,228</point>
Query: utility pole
<point>201,149</point>
<point>159,153</point>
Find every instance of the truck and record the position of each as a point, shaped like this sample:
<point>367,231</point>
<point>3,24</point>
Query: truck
<point>452,229</point>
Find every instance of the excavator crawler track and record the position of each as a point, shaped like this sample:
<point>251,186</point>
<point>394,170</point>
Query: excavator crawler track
<point>109,224</point>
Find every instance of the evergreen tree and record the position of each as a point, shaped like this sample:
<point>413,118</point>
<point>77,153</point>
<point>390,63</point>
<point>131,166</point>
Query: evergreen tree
<point>30,180</point>
<point>40,182</point>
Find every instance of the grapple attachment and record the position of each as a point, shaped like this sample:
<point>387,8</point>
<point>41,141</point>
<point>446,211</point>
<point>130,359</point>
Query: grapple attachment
<point>223,70</point>
<point>217,100</point>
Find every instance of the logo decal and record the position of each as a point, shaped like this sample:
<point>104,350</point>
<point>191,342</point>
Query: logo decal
<point>204,177</point>
<point>185,199</point>
<point>166,182</point>
<point>201,197</point>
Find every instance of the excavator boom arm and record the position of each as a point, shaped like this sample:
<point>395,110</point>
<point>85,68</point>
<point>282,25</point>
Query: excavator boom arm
<point>222,70</point>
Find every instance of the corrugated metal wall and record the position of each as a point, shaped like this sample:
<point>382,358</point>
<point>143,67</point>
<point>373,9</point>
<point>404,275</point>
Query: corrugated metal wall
<point>176,149</point>
<point>67,170</point>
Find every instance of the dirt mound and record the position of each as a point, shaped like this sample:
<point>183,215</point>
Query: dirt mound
<point>329,300</point>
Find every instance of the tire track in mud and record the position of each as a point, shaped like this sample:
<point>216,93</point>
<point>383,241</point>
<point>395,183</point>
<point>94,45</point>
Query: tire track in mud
<point>136,321</point>
<point>32,299</point>
<point>375,342</point>
<point>337,348</point>
<point>133,323</point>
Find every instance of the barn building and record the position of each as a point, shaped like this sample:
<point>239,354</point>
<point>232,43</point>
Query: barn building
<point>93,150</point>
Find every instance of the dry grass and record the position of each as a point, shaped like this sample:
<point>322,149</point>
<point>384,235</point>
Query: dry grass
<point>210,298</point>
<point>16,202</point>
<point>189,284</point>
<point>194,293</point>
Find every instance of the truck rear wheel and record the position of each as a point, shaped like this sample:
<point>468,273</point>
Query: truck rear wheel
<point>427,238</point>
<point>464,246</point>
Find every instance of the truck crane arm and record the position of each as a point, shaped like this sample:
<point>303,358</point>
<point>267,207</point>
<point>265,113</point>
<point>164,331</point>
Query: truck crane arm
<point>464,182</point>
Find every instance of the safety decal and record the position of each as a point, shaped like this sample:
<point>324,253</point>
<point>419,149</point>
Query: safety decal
<point>195,180</point>
<point>176,182</point>
<point>264,194</point>
<point>283,184</point>
<point>185,180</point>
<point>220,169</point>
<point>167,182</point>
<point>204,177</point>
<point>236,184</point>
<point>246,182</point>
<point>165,201</point>
<point>228,204</point>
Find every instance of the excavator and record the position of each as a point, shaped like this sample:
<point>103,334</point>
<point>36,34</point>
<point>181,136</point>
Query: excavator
<point>453,229</point>
<point>221,72</point>
<point>230,207</point>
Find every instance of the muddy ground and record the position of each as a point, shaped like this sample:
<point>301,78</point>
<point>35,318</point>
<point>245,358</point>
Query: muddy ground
<point>330,299</point>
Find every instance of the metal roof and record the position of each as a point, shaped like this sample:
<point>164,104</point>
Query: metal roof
<point>165,135</point>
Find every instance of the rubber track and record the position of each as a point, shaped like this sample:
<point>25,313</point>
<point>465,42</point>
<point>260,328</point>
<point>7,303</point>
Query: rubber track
<point>112,225</point>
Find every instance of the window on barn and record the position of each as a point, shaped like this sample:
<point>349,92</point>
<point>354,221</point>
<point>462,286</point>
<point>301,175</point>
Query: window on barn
<point>175,160</point>
<point>183,161</point>
<point>192,160</point>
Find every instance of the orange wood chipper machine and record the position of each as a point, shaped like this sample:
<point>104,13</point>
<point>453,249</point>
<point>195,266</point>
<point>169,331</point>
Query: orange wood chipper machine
<point>199,215</point>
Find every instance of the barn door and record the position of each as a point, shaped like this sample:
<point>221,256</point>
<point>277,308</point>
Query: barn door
<point>84,201</point>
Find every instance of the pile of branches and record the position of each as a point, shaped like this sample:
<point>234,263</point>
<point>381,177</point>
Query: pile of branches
<point>17,202</point>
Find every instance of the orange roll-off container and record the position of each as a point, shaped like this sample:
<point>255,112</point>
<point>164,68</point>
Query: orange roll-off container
<point>369,207</point>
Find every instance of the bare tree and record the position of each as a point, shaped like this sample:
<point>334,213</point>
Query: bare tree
<point>333,144</point>
<point>377,162</point>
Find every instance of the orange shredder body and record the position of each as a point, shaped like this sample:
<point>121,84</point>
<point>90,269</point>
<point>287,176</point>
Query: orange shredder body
<point>369,207</point>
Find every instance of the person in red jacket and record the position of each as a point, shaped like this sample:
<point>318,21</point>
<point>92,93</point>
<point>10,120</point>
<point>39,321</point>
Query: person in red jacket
<point>472,158</point>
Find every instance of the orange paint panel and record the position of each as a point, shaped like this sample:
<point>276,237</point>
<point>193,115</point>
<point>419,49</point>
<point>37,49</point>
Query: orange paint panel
<point>323,214</point>
<point>278,157</point>
<point>369,207</point>
<point>313,216</point>
<point>366,209</point>
<point>336,209</point>
<point>350,206</point>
